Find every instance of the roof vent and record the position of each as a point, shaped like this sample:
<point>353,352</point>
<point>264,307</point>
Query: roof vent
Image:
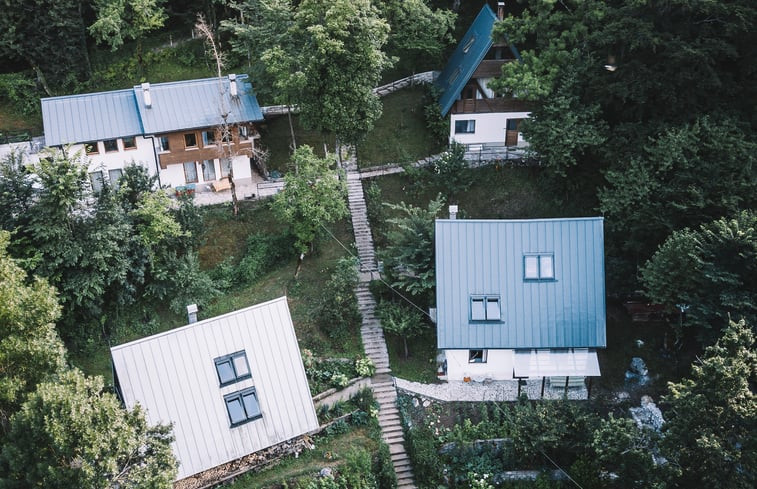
<point>233,85</point>
<point>453,212</point>
<point>146,94</point>
<point>192,313</point>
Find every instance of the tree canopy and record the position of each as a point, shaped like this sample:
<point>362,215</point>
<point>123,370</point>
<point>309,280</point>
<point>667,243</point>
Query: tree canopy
<point>314,195</point>
<point>70,433</point>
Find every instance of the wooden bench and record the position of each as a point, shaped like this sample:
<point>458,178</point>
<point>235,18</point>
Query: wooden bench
<point>222,184</point>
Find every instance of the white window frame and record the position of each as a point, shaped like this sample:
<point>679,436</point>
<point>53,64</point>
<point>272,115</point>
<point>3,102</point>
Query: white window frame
<point>470,127</point>
<point>474,357</point>
<point>539,266</point>
<point>487,311</point>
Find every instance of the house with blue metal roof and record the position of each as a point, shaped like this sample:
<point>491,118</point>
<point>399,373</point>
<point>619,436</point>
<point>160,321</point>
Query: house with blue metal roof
<point>519,299</point>
<point>479,117</point>
<point>173,129</point>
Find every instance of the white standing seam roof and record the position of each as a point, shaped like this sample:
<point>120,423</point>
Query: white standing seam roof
<point>172,375</point>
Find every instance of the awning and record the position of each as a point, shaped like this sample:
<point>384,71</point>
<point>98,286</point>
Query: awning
<point>570,362</point>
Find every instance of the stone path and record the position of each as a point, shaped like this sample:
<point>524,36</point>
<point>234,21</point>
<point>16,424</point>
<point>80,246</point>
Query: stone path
<point>505,390</point>
<point>373,335</point>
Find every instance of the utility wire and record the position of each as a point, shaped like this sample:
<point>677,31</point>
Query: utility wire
<point>562,470</point>
<point>380,278</point>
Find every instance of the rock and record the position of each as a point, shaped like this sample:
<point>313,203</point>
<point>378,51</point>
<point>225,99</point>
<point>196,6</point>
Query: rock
<point>426,403</point>
<point>639,343</point>
<point>622,396</point>
<point>415,402</point>
<point>638,366</point>
<point>326,472</point>
<point>648,415</point>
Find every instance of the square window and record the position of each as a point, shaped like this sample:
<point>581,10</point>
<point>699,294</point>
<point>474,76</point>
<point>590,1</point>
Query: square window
<point>539,266</point>
<point>130,143</point>
<point>190,140</point>
<point>477,356</point>
<point>242,406</point>
<point>164,146</point>
<point>92,148</point>
<point>208,138</point>
<point>484,308</point>
<point>208,170</point>
<point>465,127</point>
<point>111,145</point>
<point>244,133</point>
<point>232,368</point>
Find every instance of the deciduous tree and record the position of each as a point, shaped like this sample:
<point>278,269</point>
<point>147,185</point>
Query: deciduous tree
<point>30,349</point>
<point>70,433</point>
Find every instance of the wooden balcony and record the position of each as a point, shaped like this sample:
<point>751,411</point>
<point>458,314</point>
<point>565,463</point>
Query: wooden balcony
<point>490,105</point>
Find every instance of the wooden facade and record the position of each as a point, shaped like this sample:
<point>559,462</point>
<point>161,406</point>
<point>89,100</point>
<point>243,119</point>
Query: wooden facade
<point>204,148</point>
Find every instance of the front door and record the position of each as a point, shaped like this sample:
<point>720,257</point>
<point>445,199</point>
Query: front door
<point>511,132</point>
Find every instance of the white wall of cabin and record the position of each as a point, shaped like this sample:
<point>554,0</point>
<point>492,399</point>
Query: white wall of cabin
<point>173,174</point>
<point>116,160</point>
<point>499,365</point>
<point>490,127</point>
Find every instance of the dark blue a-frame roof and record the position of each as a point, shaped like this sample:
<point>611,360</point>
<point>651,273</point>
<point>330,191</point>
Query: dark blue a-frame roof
<point>467,56</point>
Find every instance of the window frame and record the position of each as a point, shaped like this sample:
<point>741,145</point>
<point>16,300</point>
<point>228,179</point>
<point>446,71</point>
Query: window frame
<point>239,396</point>
<point>133,139</point>
<point>485,299</point>
<point>230,360</point>
<point>94,144</point>
<point>114,181</point>
<point>92,176</point>
<point>540,258</point>
<point>244,132</point>
<point>470,126</point>
<point>483,358</point>
<point>194,138</point>
<point>225,166</point>
<point>209,138</point>
<point>196,175</point>
<point>164,148</point>
<point>105,145</point>
<point>206,174</point>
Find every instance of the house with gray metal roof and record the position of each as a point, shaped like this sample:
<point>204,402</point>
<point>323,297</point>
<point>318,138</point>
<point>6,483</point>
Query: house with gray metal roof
<point>520,298</point>
<point>480,118</point>
<point>230,385</point>
<point>170,128</point>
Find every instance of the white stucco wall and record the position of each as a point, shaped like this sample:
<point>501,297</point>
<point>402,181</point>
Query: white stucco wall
<point>498,366</point>
<point>490,128</point>
<point>143,154</point>
<point>173,175</point>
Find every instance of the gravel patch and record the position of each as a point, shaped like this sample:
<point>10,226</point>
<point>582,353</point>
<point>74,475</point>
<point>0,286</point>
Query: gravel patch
<point>503,390</point>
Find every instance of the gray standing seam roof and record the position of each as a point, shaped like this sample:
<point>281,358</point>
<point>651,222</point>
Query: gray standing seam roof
<point>176,106</point>
<point>486,257</point>
<point>90,117</point>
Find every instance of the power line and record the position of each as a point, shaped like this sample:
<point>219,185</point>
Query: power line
<point>380,278</point>
<point>561,470</point>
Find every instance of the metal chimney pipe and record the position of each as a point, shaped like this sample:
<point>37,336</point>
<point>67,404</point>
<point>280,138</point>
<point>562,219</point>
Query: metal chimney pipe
<point>192,313</point>
<point>146,94</point>
<point>453,212</point>
<point>500,10</point>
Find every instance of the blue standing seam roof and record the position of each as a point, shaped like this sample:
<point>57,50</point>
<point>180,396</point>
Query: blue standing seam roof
<point>176,106</point>
<point>90,117</point>
<point>196,104</point>
<point>486,258</point>
<point>463,62</point>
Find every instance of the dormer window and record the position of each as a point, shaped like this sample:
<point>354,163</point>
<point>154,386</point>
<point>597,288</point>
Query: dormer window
<point>468,44</point>
<point>232,368</point>
<point>484,308</point>
<point>539,266</point>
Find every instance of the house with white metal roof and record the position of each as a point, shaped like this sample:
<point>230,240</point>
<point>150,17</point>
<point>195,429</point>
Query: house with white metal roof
<point>230,385</point>
<point>170,128</point>
<point>519,299</point>
<point>479,117</point>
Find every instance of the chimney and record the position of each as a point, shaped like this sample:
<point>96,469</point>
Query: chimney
<point>500,10</point>
<point>192,313</point>
<point>453,212</point>
<point>146,94</point>
<point>233,85</point>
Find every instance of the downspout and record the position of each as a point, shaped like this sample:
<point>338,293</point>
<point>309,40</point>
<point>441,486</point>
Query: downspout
<point>157,162</point>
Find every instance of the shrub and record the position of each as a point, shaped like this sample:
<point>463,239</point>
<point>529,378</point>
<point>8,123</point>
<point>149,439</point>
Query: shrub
<point>263,252</point>
<point>21,92</point>
<point>356,471</point>
<point>364,367</point>
<point>386,478</point>
<point>339,315</point>
<point>437,124</point>
<point>340,380</point>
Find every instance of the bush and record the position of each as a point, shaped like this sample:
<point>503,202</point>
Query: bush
<point>386,478</point>
<point>263,252</point>
<point>422,450</point>
<point>339,316</point>
<point>435,122</point>
<point>356,471</point>
<point>364,367</point>
<point>20,91</point>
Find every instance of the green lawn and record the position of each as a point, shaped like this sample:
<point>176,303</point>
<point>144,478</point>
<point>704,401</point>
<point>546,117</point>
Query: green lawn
<point>328,452</point>
<point>420,365</point>
<point>400,134</point>
<point>275,136</point>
